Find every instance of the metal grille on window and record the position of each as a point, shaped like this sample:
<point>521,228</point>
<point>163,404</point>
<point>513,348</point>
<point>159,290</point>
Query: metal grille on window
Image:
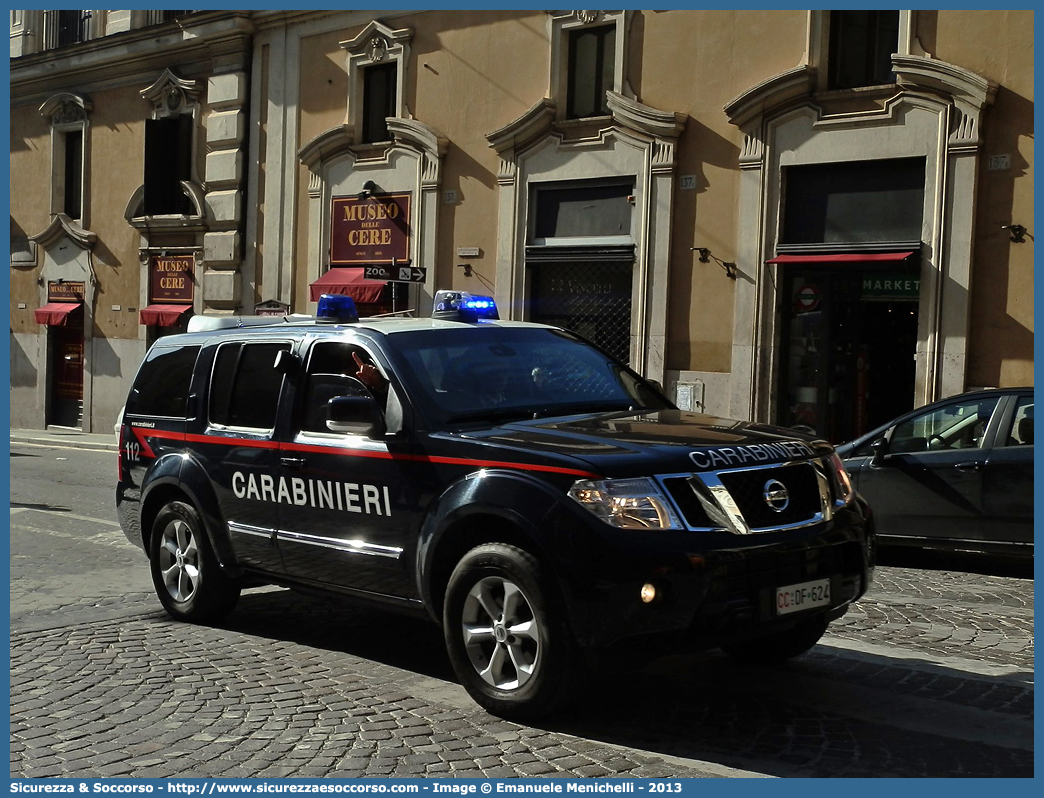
<point>589,298</point>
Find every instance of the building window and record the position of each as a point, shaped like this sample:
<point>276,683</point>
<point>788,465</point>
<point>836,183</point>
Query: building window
<point>73,189</point>
<point>168,161</point>
<point>378,62</point>
<point>378,101</point>
<point>72,27</point>
<point>856,202</point>
<point>861,47</point>
<point>592,64</point>
<point>170,16</point>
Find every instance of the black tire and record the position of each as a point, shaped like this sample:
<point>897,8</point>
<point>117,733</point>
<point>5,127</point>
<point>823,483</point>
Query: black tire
<point>544,650</point>
<point>781,646</point>
<point>188,580</point>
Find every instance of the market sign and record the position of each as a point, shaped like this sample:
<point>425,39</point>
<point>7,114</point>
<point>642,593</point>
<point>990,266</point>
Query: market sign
<point>170,279</point>
<point>370,230</point>
<point>64,291</point>
<point>890,288</point>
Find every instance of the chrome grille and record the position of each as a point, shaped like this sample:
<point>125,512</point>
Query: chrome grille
<point>734,499</point>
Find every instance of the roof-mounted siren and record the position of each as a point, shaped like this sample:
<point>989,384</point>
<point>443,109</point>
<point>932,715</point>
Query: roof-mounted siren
<point>337,308</point>
<point>462,306</point>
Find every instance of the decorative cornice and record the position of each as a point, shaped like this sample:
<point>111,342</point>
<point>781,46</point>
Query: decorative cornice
<point>533,124</point>
<point>169,85</point>
<point>635,116</point>
<point>328,143</point>
<point>66,107</point>
<point>376,39</point>
<point>422,136</point>
<point>135,216</point>
<point>62,225</point>
<point>769,94</point>
<point>930,73</point>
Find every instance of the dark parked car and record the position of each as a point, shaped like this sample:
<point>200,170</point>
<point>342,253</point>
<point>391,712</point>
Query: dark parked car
<point>954,475</point>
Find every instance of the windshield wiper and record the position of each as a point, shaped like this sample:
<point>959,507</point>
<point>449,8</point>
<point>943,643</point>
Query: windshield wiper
<point>580,409</point>
<point>492,415</point>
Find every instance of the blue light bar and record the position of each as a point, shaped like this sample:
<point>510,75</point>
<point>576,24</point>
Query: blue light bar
<point>337,307</point>
<point>462,306</point>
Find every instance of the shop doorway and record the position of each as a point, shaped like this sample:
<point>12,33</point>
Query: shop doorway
<point>66,408</point>
<point>848,346</point>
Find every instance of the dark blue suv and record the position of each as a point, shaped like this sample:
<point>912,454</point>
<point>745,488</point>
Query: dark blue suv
<point>510,481</point>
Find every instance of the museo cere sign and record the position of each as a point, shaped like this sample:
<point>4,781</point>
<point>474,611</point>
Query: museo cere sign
<point>170,278</point>
<point>890,287</point>
<point>370,230</point>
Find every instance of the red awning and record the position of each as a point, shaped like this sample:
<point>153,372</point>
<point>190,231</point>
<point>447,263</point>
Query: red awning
<point>847,257</point>
<point>55,313</point>
<point>349,282</point>
<point>162,315</point>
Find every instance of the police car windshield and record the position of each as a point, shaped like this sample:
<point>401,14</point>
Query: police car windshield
<point>490,373</point>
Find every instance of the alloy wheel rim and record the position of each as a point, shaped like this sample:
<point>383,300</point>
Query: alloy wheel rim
<point>179,561</point>
<point>501,634</point>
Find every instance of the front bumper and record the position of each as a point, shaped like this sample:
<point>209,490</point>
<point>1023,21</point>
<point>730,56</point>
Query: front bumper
<point>712,588</point>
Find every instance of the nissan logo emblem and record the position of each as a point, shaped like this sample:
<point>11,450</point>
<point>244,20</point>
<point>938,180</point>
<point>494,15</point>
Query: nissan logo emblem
<point>776,495</point>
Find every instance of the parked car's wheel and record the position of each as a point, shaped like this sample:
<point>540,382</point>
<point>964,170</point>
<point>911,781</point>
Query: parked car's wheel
<point>781,646</point>
<point>188,580</point>
<point>509,645</point>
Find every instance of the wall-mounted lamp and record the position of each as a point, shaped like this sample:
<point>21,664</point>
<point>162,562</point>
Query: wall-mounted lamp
<point>707,257</point>
<point>369,187</point>
<point>1018,232</point>
<point>466,267</point>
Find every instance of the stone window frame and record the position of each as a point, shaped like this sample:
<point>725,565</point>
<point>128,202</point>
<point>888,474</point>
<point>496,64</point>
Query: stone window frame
<point>68,113</point>
<point>172,96</point>
<point>560,25</point>
<point>375,44</point>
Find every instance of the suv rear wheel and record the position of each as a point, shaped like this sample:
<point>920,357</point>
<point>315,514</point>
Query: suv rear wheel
<point>188,580</point>
<point>509,646</point>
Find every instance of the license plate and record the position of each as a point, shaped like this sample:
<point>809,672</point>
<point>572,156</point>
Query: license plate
<point>804,596</point>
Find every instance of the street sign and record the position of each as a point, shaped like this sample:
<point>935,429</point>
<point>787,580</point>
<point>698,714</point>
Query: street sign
<point>396,274</point>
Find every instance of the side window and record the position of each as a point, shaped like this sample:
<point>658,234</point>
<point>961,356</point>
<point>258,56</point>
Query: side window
<point>162,385</point>
<point>244,389</point>
<point>1021,432</point>
<point>961,425</point>
<point>333,371</point>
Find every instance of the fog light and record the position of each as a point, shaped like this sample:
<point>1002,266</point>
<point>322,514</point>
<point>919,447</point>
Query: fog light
<point>648,593</point>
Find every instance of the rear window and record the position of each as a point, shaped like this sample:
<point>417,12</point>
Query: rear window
<point>244,390</point>
<point>162,385</point>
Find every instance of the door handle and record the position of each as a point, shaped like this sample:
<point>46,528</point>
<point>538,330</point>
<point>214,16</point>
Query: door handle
<point>292,462</point>
<point>968,466</point>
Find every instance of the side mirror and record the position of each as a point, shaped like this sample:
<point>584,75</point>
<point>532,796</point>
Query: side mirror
<point>656,384</point>
<point>880,449</point>
<point>354,415</point>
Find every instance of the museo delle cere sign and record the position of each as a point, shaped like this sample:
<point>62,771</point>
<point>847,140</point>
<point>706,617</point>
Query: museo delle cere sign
<point>171,278</point>
<point>370,230</point>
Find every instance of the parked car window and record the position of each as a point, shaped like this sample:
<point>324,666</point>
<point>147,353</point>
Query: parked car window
<point>1021,432</point>
<point>961,425</point>
<point>162,385</point>
<point>245,387</point>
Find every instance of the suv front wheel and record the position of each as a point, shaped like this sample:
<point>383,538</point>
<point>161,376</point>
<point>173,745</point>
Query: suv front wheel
<point>509,647</point>
<point>188,580</point>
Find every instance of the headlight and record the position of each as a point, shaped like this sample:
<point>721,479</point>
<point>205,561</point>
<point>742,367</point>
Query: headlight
<point>626,503</point>
<point>842,482</point>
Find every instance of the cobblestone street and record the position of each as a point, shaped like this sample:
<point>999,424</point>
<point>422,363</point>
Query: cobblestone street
<point>929,675</point>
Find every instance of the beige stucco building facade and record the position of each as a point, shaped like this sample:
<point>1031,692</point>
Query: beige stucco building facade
<point>732,201</point>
